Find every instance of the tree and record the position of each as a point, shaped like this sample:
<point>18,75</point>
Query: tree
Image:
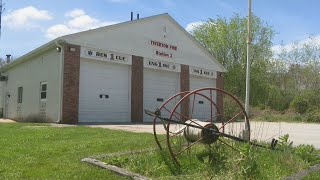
<point>302,61</point>
<point>2,62</point>
<point>227,39</point>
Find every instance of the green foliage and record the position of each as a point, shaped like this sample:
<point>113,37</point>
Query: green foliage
<point>313,116</point>
<point>300,104</point>
<point>284,143</point>
<point>276,79</point>
<point>217,162</point>
<point>276,98</point>
<point>248,165</point>
<point>229,108</point>
<point>308,153</point>
<point>308,100</point>
<point>226,40</point>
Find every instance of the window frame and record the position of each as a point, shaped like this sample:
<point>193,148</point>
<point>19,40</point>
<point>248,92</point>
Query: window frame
<point>43,91</point>
<point>20,94</point>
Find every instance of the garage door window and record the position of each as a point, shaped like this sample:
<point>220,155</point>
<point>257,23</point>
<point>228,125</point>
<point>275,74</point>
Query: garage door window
<point>43,91</point>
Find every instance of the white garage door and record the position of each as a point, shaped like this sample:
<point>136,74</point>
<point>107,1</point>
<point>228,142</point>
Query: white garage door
<point>104,92</point>
<point>158,87</point>
<point>201,105</point>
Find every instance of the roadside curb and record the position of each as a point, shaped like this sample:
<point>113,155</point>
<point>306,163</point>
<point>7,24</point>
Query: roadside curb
<point>93,160</point>
<point>301,174</point>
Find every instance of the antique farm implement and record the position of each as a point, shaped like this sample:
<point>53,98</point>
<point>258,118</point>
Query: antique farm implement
<point>201,117</point>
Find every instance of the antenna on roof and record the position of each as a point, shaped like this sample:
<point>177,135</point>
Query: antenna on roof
<point>1,11</point>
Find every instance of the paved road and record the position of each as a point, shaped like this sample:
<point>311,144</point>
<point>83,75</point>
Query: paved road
<point>299,133</point>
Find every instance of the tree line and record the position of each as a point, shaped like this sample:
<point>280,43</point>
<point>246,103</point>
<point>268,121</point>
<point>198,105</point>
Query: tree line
<point>288,78</point>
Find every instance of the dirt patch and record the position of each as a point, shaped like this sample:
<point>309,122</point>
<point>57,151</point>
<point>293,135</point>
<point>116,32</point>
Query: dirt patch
<point>7,121</point>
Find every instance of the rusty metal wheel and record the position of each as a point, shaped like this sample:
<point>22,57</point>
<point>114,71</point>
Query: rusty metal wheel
<point>204,117</point>
<point>160,126</point>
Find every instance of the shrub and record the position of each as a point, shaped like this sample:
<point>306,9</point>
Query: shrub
<point>300,104</point>
<point>278,99</point>
<point>307,153</point>
<point>248,165</point>
<point>313,116</point>
<point>306,100</point>
<point>285,143</point>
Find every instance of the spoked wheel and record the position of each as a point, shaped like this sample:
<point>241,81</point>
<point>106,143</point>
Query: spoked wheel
<point>204,117</point>
<point>159,125</point>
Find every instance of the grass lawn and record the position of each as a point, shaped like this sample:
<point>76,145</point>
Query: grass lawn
<point>38,151</point>
<point>33,151</point>
<point>223,163</point>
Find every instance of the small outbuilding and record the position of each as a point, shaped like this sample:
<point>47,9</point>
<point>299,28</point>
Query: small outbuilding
<point>108,74</point>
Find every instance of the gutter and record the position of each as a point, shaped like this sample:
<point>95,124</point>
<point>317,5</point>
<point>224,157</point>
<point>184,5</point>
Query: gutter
<point>59,43</point>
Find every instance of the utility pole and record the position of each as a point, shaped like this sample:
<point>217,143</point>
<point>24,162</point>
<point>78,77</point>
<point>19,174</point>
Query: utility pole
<point>247,106</point>
<point>1,11</point>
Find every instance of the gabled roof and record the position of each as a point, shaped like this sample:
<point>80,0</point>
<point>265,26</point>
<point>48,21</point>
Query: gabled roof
<point>68,39</point>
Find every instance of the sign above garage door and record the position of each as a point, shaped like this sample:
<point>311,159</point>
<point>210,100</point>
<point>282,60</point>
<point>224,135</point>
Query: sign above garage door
<point>104,55</point>
<point>203,72</point>
<point>161,65</point>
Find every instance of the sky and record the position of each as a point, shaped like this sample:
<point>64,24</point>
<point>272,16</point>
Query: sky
<point>28,24</point>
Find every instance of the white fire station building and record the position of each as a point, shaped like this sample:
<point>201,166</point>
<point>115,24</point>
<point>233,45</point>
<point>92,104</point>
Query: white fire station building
<point>108,74</point>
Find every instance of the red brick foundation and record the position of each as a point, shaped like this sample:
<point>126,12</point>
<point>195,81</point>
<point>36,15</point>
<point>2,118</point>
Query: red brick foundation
<point>137,90</point>
<point>71,73</point>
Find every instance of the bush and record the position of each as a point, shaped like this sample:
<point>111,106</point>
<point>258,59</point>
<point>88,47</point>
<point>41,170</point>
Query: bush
<point>307,153</point>
<point>313,116</point>
<point>305,101</point>
<point>300,104</point>
<point>278,99</point>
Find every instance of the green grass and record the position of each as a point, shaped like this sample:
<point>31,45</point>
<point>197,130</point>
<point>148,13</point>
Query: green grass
<point>222,163</point>
<point>288,116</point>
<point>39,151</point>
<point>312,176</point>
<point>28,151</point>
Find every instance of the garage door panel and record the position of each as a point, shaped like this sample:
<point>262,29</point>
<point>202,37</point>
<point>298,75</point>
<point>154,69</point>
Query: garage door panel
<point>101,78</point>
<point>159,85</point>
<point>202,108</point>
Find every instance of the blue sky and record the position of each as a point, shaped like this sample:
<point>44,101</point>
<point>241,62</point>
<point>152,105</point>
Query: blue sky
<point>27,24</point>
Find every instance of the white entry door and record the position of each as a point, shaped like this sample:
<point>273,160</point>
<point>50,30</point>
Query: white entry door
<point>158,86</point>
<point>104,92</point>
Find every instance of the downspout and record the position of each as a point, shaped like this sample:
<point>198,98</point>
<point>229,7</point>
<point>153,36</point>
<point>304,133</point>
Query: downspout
<point>59,46</point>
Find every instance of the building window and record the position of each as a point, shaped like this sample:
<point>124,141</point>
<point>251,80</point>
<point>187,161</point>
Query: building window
<point>43,91</point>
<point>20,92</point>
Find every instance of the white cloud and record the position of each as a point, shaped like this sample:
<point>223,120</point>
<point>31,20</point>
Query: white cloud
<point>25,18</point>
<point>191,26</point>
<point>298,44</point>
<point>79,21</point>
<point>75,13</point>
